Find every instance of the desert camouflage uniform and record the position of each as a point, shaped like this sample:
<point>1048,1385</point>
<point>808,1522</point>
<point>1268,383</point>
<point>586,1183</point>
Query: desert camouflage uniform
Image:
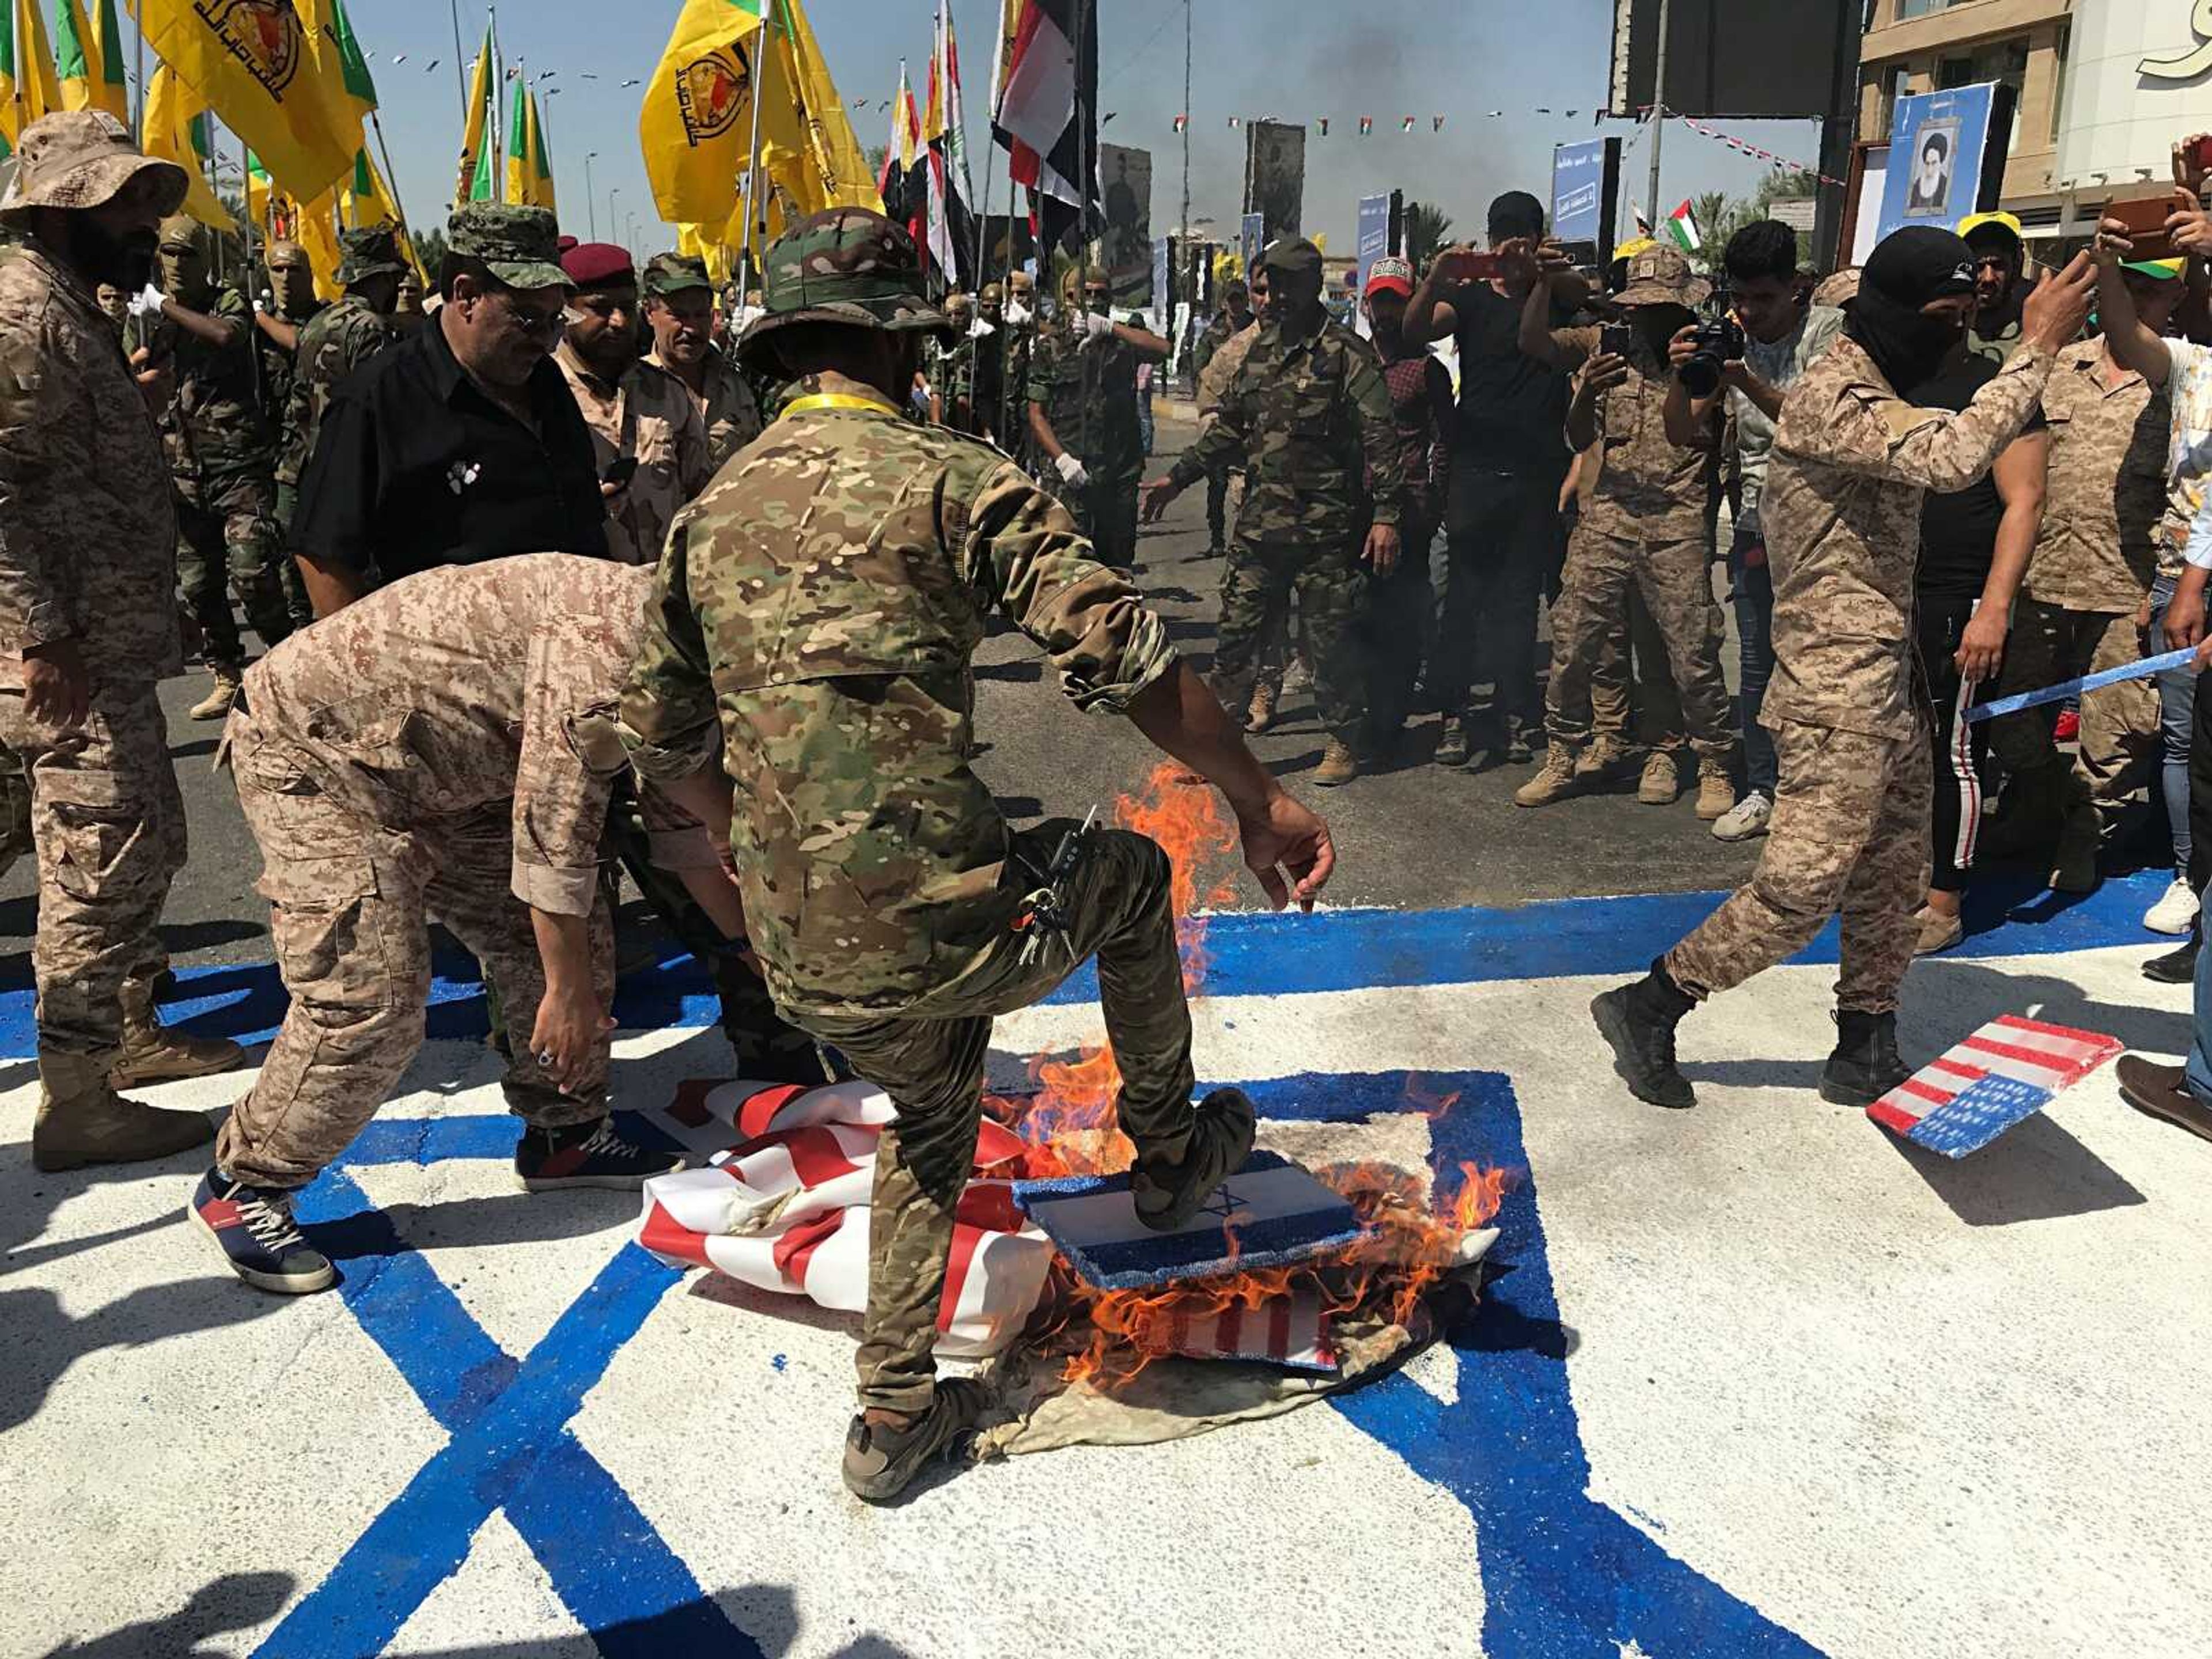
<point>87,554</point>
<point>1088,395</point>
<point>221,458</point>
<point>2095,557</point>
<point>1641,526</point>
<point>387,784</point>
<point>1312,422</point>
<point>820,604</point>
<point>653,413</point>
<point>1851,831</point>
<point>731,417</point>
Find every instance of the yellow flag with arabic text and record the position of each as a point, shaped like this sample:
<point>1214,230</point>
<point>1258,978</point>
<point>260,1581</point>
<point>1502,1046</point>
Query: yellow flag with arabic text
<point>177,131</point>
<point>255,63</point>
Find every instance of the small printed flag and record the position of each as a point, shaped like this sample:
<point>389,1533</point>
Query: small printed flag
<point>1322,122</point>
<point>1406,124</point>
<point>1366,125</point>
<point>1288,1329</point>
<point>1682,226</point>
<point>1436,123</point>
<point>1181,122</point>
<point>1234,122</point>
<point>2002,1075</point>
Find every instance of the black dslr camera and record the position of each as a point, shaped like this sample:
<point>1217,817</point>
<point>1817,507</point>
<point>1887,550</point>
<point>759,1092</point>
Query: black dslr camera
<point>1718,342</point>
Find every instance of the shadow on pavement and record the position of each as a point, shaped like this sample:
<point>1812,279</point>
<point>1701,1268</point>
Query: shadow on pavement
<point>237,1600</point>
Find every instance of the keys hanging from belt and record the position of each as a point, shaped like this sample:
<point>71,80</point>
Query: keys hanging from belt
<point>1043,915</point>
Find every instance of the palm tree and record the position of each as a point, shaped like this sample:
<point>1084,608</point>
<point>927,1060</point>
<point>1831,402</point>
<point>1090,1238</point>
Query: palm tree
<point>1426,226</point>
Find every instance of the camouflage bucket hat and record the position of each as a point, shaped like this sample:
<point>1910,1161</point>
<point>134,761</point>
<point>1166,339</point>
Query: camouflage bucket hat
<point>520,245</point>
<point>672,273</point>
<point>372,251</point>
<point>1661,276</point>
<point>80,159</point>
<point>843,265</point>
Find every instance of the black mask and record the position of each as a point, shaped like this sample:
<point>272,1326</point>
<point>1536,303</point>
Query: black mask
<point>1910,267</point>
<point>127,261</point>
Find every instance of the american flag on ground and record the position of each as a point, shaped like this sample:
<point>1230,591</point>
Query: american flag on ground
<point>2003,1074</point>
<point>1287,1330</point>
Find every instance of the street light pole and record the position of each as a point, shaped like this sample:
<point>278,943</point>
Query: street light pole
<point>590,202</point>
<point>612,221</point>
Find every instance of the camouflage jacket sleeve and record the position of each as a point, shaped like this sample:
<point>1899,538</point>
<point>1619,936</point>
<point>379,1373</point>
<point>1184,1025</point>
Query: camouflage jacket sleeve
<point>1021,546</point>
<point>1222,439</point>
<point>695,464</point>
<point>669,724</point>
<point>46,457</point>
<point>1378,429</point>
<point>571,755</point>
<point>1845,417</point>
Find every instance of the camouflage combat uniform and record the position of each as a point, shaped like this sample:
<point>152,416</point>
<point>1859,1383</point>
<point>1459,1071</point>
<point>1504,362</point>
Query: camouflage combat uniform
<point>221,447</point>
<point>725,402</point>
<point>339,340</point>
<point>87,554</point>
<point>1088,391</point>
<point>2096,555</point>
<point>1218,334</point>
<point>1311,421</point>
<point>1850,826</point>
<point>814,619</point>
<point>387,784</point>
<point>651,414</point>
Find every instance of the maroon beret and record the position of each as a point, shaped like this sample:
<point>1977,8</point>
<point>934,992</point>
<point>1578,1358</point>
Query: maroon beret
<point>598,264</point>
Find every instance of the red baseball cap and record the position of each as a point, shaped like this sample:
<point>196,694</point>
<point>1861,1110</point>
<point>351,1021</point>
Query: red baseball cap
<point>1391,275</point>
<point>598,264</point>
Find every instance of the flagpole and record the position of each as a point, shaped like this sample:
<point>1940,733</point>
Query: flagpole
<point>1189,284</point>
<point>460,73</point>
<point>752,150</point>
<point>1658,113</point>
<point>139,119</point>
<point>493,116</point>
<point>391,177</point>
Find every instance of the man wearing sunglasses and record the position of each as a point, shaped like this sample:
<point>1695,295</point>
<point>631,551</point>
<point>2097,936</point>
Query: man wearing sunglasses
<point>464,443</point>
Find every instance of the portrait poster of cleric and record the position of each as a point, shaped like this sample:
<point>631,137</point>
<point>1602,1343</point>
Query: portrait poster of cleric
<point>1937,144</point>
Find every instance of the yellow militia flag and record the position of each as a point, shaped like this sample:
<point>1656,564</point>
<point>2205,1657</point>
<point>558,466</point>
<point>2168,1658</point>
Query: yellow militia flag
<point>314,228</point>
<point>695,124</point>
<point>541,157</point>
<point>370,202</point>
<point>339,60</point>
<point>263,201</point>
<point>28,87</point>
<point>474,162</point>
<point>88,58</point>
<point>813,156</point>
<point>255,64</point>
<point>177,131</point>
<point>521,186</point>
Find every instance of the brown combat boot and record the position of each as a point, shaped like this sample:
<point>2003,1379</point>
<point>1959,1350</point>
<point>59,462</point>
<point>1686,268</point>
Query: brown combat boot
<point>1261,713</point>
<point>1554,780</point>
<point>83,1120</point>
<point>1716,789</point>
<point>1662,783</point>
<point>1339,765</point>
<point>152,1053</point>
<point>216,704</point>
<point>1603,761</point>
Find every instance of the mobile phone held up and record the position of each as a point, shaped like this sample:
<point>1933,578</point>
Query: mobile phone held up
<point>619,470</point>
<point>2145,220</point>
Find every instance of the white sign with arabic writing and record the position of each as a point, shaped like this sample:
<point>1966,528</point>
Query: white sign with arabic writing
<point>2138,76</point>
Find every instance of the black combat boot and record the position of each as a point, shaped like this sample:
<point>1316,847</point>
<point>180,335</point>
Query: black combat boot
<point>1638,1020</point>
<point>1865,1066</point>
<point>2175,967</point>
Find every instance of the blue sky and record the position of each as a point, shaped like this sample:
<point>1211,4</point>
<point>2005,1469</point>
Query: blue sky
<point>1461,58</point>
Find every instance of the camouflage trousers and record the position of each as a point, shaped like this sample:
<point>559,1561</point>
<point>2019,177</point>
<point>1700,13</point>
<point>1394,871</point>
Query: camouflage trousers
<point>1631,695</point>
<point>929,1058</point>
<point>226,539</point>
<point>2119,744</point>
<point>1105,511</point>
<point>107,824</point>
<point>350,903</point>
<point>297,605</point>
<point>1671,577</point>
<point>1849,833</point>
<point>1331,586</point>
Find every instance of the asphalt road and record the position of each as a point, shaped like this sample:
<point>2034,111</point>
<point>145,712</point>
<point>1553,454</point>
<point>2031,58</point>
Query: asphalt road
<point>1416,837</point>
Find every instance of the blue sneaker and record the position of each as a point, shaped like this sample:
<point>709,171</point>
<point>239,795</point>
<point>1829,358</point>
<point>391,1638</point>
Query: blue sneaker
<point>253,1227</point>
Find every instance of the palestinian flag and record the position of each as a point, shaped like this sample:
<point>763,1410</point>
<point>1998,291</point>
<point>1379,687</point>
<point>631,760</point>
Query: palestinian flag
<point>1682,226</point>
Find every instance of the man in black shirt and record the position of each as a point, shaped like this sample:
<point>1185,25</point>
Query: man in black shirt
<point>464,442</point>
<point>1508,458</point>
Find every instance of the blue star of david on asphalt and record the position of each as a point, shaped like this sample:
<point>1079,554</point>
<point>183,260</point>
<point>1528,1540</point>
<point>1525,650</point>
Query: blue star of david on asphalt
<point>1564,1576</point>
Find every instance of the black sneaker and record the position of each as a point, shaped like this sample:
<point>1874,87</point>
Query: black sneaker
<point>586,1155</point>
<point>1638,1021</point>
<point>1220,1140</point>
<point>253,1227</point>
<point>2175,967</point>
<point>881,1463</point>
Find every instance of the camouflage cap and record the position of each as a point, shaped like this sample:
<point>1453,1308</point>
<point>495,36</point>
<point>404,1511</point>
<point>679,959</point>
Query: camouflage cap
<point>1838,288</point>
<point>520,245</point>
<point>78,158</point>
<point>843,264</point>
<point>182,233</point>
<point>371,250</point>
<point>672,273</point>
<point>1299,259</point>
<point>1661,276</point>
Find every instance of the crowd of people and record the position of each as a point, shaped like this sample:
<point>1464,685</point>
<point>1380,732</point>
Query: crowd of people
<point>544,593</point>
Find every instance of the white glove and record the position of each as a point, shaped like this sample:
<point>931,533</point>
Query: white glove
<point>1017,313</point>
<point>141,304</point>
<point>1096,326</point>
<point>1070,469</point>
<point>978,329</point>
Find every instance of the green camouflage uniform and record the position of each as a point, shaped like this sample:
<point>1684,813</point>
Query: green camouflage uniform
<point>221,447</point>
<point>1089,394</point>
<point>813,623</point>
<point>339,340</point>
<point>1303,417</point>
<point>277,370</point>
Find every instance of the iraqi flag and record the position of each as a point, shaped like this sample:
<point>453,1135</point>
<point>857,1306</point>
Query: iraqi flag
<point>952,225</point>
<point>904,181</point>
<point>1682,226</point>
<point>1047,115</point>
<point>2005,1072</point>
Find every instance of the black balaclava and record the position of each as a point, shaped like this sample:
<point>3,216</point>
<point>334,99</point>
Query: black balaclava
<point>1910,268</point>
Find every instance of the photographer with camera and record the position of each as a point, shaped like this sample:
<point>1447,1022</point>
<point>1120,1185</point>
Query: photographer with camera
<point>1643,527</point>
<point>1750,358</point>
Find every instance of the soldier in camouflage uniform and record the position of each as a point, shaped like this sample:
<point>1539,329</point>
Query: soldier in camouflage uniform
<point>1842,514</point>
<point>1231,320</point>
<point>387,783</point>
<point>1309,416</point>
<point>220,444</point>
<point>341,338</point>
<point>813,625</point>
<point>1082,389</point>
<point>679,306</point>
<point>88,628</point>
<point>280,317</point>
